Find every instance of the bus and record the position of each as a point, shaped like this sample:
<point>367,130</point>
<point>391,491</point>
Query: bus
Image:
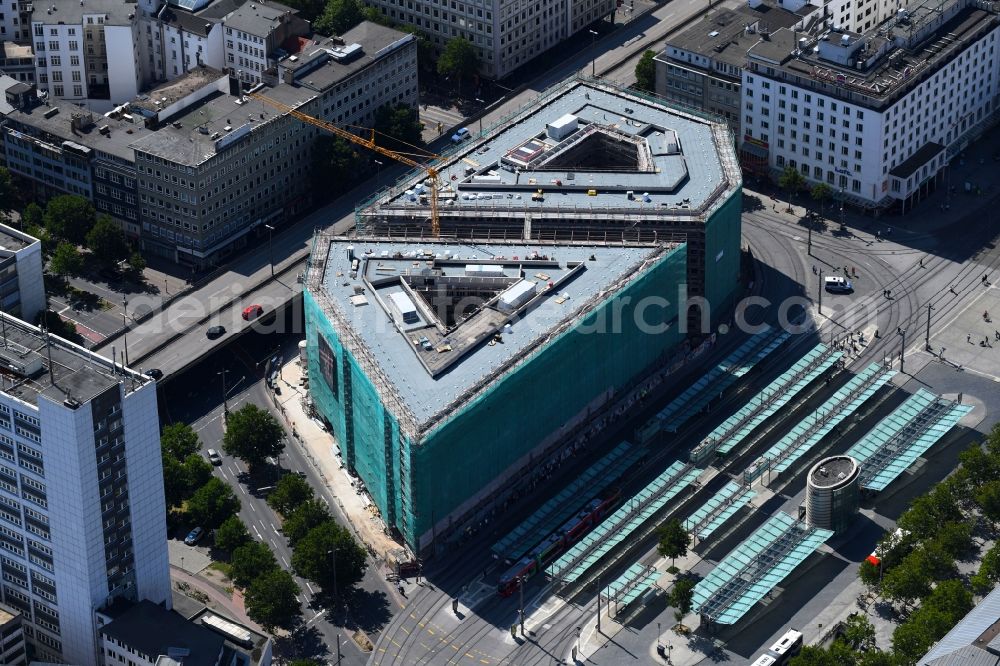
<point>786,647</point>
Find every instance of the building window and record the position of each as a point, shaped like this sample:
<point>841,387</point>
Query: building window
<point>328,366</point>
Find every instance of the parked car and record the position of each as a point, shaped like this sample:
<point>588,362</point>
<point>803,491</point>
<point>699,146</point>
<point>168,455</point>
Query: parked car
<point>154,373</point>
<point>252,312</point>
<point>214,457</point>
<point>461,135</point>
<point>194,536</point>
<point>215,332</point>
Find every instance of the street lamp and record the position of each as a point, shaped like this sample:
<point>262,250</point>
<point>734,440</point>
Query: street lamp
<point>378,173</point>
<point>483,103</point>
<point>902,348</point>
<point>593,62</point>
<point>270,256</point>
<point>125,326</point>
<point>333,556</point>
<point>927,339</point>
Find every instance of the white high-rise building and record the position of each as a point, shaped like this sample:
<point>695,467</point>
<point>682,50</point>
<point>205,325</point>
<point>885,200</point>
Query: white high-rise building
<point>82,513</point>
<point>878,115</point>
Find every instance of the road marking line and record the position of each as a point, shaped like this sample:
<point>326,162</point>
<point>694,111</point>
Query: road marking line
<point>258,533</point>
<point>275,529</point>
<point>243,489</point>
<point>405,630</point>
<point>310,588</point>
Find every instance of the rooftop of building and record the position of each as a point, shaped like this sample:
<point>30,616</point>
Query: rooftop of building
<point>71,12</point>
<point>153,630</point>
<point>724,35</point>
<point>323,62</point>
<point>7,613</point>
<point>6,83</point>
<point>35,365</point>
<point>198,132</point>
<point>832,472</point>
<point>881,64</point>
<point>216,10</point>
<point>974,641</point>
<point>56,121</point>
<point>10,50</point>
<point>443,319</point>
<point>188,21</point>
<point>12,240</point>
<point>162,96</point>
<point>258,17</point>
<point>582,146</point>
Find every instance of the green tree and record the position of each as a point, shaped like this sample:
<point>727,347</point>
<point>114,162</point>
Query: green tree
<point>32,218</point>
<point>791,181</point>
<point>335,161</point>
<point>912,639</point>
<point>290,492</point>
<point>271,600</point>
<point>339,16</point>
<point>175,487</point>
<point>458,60</point>
<point>303,662</point>
<point>813,656</point>
<point>645,72</point>
<point>137,263</point>
<point>252,435</point>
<point>399,126</point>
<point>8,193</point>
<point>908,581</point>
<point>179,440</point>
<point>955,538</point>
<point>682,595</point>
<point>673,540</point>
<point>951,598</point>
<point>197,472</point>
<point>66,260</point>
<point>979,466</point>
<point>231,534</point>
<point>69,217</point>
<point>988,499</point>
<point>930,511</point>
<point>330,557</point>
<point>249,561</point>
<point>58,326</point>
<point>876,658</point>
<point>859,632</point>
<point>821,194</point>
<point>211,504</point>
<point>869,574</point>
<point>306,516</point>
<point>935,561</point>
<point>107,241</point>
<point>989,569</point>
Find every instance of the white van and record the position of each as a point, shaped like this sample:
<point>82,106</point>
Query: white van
<point>837,285</point>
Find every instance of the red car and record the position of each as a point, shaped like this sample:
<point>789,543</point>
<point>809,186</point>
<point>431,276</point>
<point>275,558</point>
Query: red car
<point>252,312</point>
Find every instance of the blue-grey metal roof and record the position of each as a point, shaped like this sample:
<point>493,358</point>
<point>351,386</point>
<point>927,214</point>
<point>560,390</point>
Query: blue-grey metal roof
<point>690,159</point>
<point>969,629</point>
<point>581,277</point>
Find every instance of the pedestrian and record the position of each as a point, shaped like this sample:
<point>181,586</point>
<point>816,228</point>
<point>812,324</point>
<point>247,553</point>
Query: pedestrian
<point>814,269</point>
<point>888,293</point>
<point>968,338</point>
<point>921,263</point>
<point>996,334</point>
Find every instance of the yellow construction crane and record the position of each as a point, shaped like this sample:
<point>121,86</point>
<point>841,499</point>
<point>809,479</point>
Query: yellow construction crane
<point>370,144</point>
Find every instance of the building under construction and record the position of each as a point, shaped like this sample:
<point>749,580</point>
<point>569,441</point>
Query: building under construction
<point>450,367</point>
<point>587,159</point>
<point>445,367</point>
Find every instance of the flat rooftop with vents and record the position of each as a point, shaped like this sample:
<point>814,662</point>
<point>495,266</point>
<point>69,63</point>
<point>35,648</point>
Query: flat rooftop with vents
<point>582,147</point>
<point>440,318</point>
<point>34,364</point>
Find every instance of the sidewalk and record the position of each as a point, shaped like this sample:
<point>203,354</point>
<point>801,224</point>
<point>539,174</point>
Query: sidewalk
<point>319,448</point>
<point>232,605</point>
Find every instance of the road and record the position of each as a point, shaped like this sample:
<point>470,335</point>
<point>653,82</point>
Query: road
<point>195,397</point>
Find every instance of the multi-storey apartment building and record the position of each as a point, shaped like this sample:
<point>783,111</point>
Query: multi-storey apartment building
<point>253,34</point>
<point>82,513</point>
<point>22,288</point>
<point>17,60</point>
<point>701,67</point>
<point>89,51</point>
<point>506,33</point>
<point>13,651</point>
<point>875,115</point>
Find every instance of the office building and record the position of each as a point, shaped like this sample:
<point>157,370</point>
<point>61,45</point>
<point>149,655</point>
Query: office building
<point>417,348</point>
<point>82,513</point>
<point>22,286</point>
<point>194,166</point>
<point>13,650</point>
<point>506,34</point>
<point>701,67</point>
<point>877,115</point>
